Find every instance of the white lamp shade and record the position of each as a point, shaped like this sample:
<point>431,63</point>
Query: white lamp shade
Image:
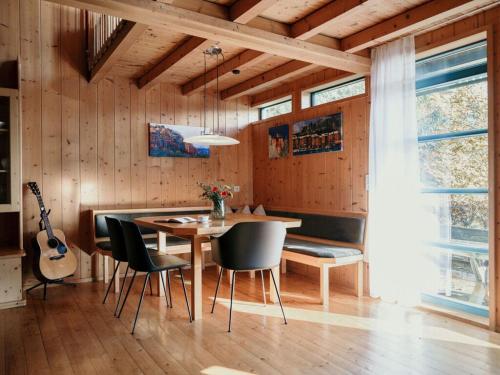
<point>212,140</point>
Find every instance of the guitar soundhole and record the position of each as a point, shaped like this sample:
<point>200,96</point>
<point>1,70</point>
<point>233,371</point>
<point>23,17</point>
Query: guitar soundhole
<point>52,242</point>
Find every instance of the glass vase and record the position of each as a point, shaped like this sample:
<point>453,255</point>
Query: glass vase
<point>219,209</point>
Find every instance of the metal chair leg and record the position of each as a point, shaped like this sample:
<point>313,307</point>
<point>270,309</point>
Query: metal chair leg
<point>263,286</point>
<point>217,289</point>
<point>126,294</point>
<point>121,291</point>
<point>185,295</point>
<point>140,302</point>
<point>164,288</point>
<point>232,294</point>
<point>111,282</point>
<point>169,291</point>
<point>150,287</point>
<point>278,294</point>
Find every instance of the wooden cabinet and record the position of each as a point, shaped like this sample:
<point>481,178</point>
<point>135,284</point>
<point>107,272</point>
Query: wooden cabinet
<point>11,246</point>
<point>10,156</point>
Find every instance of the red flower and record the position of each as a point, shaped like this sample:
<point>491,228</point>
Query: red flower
<point>224,193</point>
<point>214,189</point>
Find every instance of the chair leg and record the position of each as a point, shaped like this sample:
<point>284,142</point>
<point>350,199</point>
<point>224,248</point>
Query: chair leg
<point>185,295</point>
<point>324,285</point>
<point>126,294</point>
<point>231,304</point>
<point>169,291</point>
<point>278,294</point>
<point>140,302</point>
<point>121,290</point>
<point>217,288</point>
<point>164,288</point>
<point>263,286</point>
<point>111,282</point>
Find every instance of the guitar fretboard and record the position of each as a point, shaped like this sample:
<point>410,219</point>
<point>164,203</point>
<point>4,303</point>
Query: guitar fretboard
<point>45,217</point>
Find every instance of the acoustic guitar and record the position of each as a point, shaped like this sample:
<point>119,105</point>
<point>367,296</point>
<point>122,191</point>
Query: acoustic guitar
<point>53,258</point>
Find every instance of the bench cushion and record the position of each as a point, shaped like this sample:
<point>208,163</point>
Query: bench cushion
<point>101,229</point>
<point>318,250</point>
<point>150,243</point>
<point>334,228</point>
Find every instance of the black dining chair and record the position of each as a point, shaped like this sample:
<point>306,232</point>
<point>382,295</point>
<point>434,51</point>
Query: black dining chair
<point>249,247</point>
<point>140,260</point>
<point>119,253</point>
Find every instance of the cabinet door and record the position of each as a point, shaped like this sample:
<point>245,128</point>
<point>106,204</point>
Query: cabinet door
<point>10,158</point>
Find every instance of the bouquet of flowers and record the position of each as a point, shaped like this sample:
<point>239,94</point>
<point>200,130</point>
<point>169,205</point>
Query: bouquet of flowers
<point>217,193</point>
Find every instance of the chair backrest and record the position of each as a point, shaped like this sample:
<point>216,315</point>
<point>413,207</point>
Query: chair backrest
<point>117,240</point>
<point>137,253</point>
<point>250,246</point>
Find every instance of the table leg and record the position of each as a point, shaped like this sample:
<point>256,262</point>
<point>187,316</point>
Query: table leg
<point>273,297</point>
<point>155,277</point>
<point>196,285</point>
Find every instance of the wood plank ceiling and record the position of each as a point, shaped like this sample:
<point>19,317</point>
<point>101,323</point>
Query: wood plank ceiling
<point>163,55</point>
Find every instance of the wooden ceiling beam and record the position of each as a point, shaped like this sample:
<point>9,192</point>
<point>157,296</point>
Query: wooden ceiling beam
<point>419,18</point>
<point>319,20</point>
<point>243,59</point>
<point>124,39</point>
<point>203,26</point>
<point>306,28</point>
<point>269,78</point>
<point>242,11</point>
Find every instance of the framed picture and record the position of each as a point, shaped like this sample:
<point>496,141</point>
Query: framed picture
<point>278,141</point>
<point>320,134</point>
<point>168,141</point>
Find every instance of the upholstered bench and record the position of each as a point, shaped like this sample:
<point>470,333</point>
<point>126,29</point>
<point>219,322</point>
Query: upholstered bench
<point>326,241</point>
<point>174,245</point>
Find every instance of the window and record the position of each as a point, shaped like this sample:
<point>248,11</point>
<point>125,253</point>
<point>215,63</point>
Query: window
<point>452,115</point>
<point>275,109</point>
<point>337,92</point>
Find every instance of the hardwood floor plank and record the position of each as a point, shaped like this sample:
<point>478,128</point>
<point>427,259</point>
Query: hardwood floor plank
<point>74,333</point>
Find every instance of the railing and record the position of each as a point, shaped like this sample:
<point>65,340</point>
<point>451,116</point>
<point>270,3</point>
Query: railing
<point>101,30</point>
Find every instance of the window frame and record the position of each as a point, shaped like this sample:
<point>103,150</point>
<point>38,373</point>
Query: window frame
<point>313,94</point>
<point>477,248</point>
<point>262,108</point>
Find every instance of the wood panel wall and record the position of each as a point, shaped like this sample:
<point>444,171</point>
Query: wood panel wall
<point>329,183</point>
<point>87,144</point>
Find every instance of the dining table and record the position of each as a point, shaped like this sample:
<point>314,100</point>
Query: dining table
<point>198,233</point>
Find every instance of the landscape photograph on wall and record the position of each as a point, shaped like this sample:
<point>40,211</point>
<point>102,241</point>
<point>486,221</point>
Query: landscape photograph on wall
<point>168,141</point>
<point>320,134</point>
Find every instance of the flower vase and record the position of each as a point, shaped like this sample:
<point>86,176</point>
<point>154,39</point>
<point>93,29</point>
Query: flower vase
<point>219,210</point>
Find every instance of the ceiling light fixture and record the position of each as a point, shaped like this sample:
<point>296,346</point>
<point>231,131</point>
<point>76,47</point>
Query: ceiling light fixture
<point>212,137</point>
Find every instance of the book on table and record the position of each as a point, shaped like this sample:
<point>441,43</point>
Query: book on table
<point>179,220</point>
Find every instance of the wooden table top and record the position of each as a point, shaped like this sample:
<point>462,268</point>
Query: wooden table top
<point>212,227</point>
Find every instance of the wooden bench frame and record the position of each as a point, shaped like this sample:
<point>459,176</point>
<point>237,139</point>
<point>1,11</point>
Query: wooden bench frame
<point>324,264</point>
<point>106,255</point>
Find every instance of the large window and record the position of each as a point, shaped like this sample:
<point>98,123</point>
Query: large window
<point>452,110</point>
<point>275,109</point>
<point>338,92</point>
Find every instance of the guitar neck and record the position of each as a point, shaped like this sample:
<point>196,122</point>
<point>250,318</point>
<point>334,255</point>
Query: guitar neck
<point>45,217</point>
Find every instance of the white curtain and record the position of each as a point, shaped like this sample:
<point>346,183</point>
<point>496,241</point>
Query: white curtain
<point>394,222</point>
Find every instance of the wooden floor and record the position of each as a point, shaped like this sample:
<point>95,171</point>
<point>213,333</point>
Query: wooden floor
<point>73,332</point>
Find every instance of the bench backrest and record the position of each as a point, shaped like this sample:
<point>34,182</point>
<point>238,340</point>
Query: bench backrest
<point>100,229</point>
<point>348,229</point>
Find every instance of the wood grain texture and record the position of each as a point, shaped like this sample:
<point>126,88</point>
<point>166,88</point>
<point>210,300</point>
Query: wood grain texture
<point>87,144</point>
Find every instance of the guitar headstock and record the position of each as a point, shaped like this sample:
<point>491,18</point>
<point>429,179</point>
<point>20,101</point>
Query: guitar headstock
<point>34,188</point>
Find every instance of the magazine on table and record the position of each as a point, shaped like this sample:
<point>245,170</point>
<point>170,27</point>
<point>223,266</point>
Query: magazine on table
<point>179,220</point>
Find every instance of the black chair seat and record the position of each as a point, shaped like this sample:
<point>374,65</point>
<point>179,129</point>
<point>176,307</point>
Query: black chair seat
<point>167,262</point>
<point>318,250</point>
